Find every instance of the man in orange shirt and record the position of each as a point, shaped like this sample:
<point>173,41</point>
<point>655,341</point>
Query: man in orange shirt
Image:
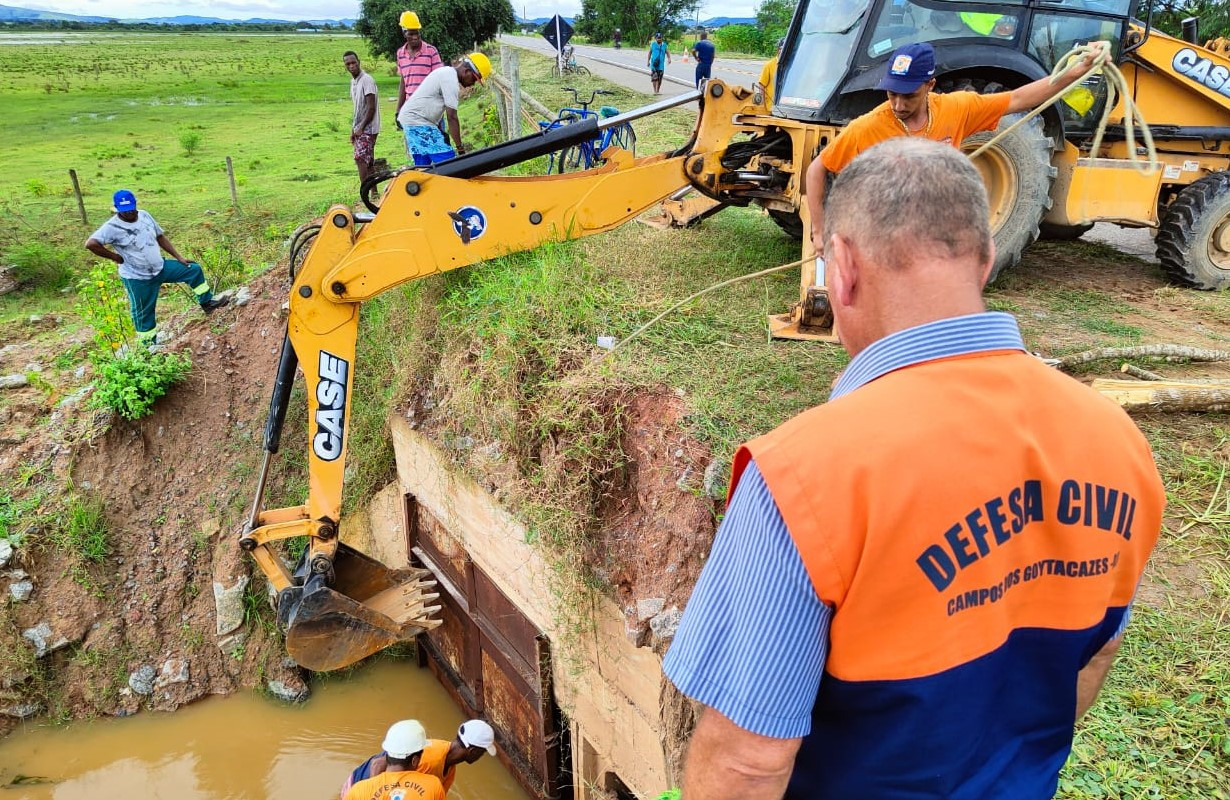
<point>912,110</point>
<point>404,745</point>
<point>440,758</point>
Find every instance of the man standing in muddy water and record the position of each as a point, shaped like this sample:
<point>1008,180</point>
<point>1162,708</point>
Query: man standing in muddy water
<point>475,738</point>
<point>403,746</point>
<point>137,237</point>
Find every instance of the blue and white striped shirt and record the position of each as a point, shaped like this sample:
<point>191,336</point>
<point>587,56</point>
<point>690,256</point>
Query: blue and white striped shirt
<point>754,636</point>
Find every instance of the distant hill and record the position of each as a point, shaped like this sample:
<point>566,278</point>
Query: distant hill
<point>15,14</point>
<point>10,13</point>
<point>718,22</point>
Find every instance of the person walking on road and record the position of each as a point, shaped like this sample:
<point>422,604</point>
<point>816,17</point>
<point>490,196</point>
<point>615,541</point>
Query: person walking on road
<point>416,59</point>
<point>137,238</point>
<point>436,98</point>
<point>952,574</point>
<point>768,74</point>
<point>475,738</point>
<point>913,110</point>
<point>403,745</point>
<point>659,57</point>
<point>703,51</point>
<point>365,126</point>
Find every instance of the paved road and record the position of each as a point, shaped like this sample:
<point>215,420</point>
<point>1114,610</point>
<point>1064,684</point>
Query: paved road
<point>626,66</point>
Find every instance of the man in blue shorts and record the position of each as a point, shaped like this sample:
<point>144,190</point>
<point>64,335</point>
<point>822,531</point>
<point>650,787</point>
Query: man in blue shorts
<point>659,57</point>
<point>703,52</point>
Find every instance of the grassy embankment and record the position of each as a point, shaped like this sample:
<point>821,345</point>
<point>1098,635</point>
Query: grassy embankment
<point>507,348</point>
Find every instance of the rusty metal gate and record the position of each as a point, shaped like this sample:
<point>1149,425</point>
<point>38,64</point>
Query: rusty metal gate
<point>492,659</point>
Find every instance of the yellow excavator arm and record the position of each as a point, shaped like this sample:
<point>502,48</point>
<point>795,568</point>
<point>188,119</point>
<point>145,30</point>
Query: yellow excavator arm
<point>338,606</point>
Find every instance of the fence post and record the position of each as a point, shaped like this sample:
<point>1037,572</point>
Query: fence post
<point>72,174</point>
<point>230,176</point>
<point>501,99</point>
<point>514,80</point>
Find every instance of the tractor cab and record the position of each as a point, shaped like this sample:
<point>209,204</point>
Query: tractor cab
<point>836,50</point>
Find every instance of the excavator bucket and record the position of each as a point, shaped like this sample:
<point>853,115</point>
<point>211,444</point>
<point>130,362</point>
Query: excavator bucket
<point>367,608</point>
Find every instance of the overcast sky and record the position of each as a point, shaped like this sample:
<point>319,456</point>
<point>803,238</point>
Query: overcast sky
<point>312,9</point>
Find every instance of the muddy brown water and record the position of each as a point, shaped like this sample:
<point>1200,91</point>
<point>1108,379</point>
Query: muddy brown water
<point>243,746</point>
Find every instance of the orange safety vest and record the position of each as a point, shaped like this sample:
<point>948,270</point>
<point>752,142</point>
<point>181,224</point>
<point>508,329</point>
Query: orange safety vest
<point>978,524</point>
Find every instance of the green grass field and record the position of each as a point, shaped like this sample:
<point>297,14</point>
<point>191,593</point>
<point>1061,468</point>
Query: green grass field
<point>509,344</point>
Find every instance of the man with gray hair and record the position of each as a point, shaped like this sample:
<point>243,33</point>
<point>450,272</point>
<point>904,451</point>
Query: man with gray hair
<point>919,586</point>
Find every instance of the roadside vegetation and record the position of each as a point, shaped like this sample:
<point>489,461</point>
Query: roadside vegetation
<point>507,356</point>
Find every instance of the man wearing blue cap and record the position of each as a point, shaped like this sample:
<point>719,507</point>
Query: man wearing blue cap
<point>912,110</point>
<point>136,238</point>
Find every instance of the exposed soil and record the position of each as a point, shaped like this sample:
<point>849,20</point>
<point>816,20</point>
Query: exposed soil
<point>171,486</point>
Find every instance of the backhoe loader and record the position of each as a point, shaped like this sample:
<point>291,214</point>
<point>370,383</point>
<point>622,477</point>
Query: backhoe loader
<point>338,606</point>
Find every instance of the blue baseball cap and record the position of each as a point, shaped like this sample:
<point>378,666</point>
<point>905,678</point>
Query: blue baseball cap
<point>911,66</point>
<point>124,200</point>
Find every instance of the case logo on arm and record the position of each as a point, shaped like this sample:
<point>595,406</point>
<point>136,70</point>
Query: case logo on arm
<point>331,413</point>
<point>469,223</point>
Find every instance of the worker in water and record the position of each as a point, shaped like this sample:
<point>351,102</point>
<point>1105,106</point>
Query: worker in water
<point>912,109</point>
<point>950,576</point>
<point>403,748</point>
<point>475,738</point>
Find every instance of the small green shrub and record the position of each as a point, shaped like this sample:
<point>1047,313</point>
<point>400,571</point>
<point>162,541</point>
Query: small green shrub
<point>38,188</point>
<point>41,266</point>
<point>190,141</point>
<point>129,384</point>
<point>223,266</point>
<point>84,531</point>
<point>103,305</point>
<point>15,516</point>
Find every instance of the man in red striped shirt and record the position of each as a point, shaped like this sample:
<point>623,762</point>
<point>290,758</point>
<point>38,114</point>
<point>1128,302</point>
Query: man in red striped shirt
<point>415,59</point>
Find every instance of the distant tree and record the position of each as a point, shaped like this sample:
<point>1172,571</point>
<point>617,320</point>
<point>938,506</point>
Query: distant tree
<point>454,26</point>
<point>1214,16</point>
<point>773,17</point>
<point>637,20</point>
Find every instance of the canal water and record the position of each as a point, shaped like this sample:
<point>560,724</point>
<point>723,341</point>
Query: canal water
<point>242,747</point>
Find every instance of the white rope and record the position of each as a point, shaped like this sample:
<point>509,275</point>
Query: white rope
<point>1116,85</point>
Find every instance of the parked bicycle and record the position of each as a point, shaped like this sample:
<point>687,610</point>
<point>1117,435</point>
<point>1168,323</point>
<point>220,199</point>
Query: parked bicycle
<point>566,64</point>
<point>588,153</point>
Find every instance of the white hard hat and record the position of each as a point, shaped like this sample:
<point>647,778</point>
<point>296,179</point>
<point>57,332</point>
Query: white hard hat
<point>405,738</point>
<point>476,733</point>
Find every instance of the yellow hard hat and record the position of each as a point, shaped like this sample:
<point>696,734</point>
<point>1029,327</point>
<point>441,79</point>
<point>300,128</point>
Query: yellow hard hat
<point>410,21</point>
<point>480,63</point>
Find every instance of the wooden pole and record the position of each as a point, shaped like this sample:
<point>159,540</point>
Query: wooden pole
<point>501,104</point>
<point>1166,395</point>
<point>72,174</point>
<point>514,75</point>
<point>230,176</point>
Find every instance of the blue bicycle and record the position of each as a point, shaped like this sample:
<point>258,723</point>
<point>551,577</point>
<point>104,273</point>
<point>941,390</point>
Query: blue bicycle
<point>587,154</point>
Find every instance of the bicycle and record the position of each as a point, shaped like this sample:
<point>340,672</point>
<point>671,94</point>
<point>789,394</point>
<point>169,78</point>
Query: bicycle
<point>566,64</point>
<point>587,154</point>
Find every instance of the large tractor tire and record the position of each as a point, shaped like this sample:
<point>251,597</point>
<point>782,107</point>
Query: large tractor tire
<point>788,221</point>
<point>1018,175</point>
<point>1193,241</point>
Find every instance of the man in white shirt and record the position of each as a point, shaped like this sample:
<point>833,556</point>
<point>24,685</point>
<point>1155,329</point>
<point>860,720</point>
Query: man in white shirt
<point>365,126</point>
<point>436,98</point>
<point>136,238</point>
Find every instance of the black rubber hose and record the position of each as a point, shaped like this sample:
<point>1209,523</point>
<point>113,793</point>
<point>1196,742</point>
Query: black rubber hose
<point>287,363</point>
